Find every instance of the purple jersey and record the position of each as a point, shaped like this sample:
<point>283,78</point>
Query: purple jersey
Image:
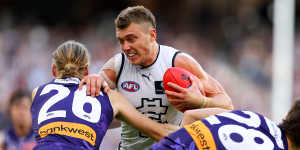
<point>234,130</point>
<point>64,117</point>
<point>13,142</point>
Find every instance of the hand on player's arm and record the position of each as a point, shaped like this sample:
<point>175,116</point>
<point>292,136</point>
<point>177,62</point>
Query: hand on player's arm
<point>124,111</point>
<point>94,82</point>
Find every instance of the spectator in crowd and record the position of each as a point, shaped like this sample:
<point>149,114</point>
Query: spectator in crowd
<point>19,136</point>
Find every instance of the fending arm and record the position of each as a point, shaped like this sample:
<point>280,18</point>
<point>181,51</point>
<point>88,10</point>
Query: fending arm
<point>126,112</point>
<point>193,115</point>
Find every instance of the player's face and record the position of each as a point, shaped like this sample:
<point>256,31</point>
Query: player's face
<point>20,112</point>
<point>137,42</point>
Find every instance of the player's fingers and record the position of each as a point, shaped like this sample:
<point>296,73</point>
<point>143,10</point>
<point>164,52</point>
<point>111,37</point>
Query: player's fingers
<point>174,94</point>
<point>81,83</point>
<point>93,87</point>
<point>105,87</point>
<point>200,85</point>
<point>176,87</point>
<point>176,101</point>
<point>88,86</point>
<point>181,107</point>
<point>195,81</point>
<point>98,86</point>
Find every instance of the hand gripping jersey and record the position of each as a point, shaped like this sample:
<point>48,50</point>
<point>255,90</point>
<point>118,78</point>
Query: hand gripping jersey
<point>236,130</point>
<point>65,118</point>
<point>142,86</point>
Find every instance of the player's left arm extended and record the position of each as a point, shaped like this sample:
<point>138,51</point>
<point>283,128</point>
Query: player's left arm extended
<point>193,115</point>
<point>124,111</point>
<point>215,95</point>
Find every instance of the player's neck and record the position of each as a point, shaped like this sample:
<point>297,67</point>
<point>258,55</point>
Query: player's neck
<point>290,144</point>
<point>22,130</point>
<point>153,55</point>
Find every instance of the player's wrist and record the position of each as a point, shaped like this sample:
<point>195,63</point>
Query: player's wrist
<point>204,102</point>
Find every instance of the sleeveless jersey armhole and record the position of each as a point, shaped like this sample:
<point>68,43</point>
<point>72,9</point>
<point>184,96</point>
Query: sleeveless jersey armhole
<point>121,68</point>
<point>173,59</point>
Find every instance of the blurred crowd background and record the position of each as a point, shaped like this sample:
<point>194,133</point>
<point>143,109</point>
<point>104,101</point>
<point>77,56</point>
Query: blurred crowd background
<point>232,40</point>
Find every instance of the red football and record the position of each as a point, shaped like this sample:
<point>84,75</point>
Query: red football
<point>180,77</point>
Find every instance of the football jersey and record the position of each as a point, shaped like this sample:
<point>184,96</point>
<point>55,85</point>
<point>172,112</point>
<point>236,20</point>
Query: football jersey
<point>12,142</point>
<point>63,116</point>
<point>234,130</point>
<point>143,87</point>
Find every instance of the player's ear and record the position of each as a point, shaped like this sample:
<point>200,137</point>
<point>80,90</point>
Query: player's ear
<point>86,70</point>
<point>53,70</point>
<point>153,34</point>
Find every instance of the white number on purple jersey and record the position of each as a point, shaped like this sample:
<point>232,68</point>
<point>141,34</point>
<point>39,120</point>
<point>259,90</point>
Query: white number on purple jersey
<point>79,100</point>
<point>237,137</point>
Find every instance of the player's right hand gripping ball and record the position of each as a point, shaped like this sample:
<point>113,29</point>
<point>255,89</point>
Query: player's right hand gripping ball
<point>180,77</point>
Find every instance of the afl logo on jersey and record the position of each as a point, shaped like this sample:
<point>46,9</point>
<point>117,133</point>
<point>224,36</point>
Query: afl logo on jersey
<point>130,86</point>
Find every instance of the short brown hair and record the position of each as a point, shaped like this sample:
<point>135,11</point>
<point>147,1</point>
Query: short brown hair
<point>136,14</point>
<point>291,124</point>
<point>17,96</point>
<point>71,58</point>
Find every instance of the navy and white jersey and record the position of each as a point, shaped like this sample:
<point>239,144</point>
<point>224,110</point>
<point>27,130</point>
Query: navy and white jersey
<point>236,130</point>
<point>12,142</point>
<point>66,118</point>
<point>142,86</point>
